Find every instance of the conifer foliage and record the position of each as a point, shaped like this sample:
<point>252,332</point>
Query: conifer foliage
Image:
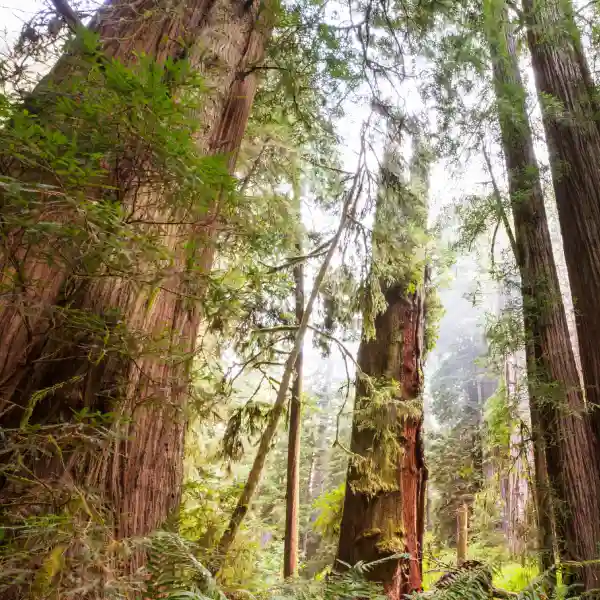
<point>284,310</point>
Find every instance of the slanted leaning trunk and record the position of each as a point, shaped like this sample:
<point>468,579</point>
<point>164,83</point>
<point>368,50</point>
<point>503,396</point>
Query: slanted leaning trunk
<point>243,505</point>
<point>139,472</point>
<point>562,427</point>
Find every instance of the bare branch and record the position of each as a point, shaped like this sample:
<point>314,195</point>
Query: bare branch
<point>64,9</point>
<point>500,206</point>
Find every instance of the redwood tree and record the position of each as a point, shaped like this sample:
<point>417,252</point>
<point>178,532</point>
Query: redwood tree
<point>569,110</point>
<point>383,513</point>
<point>51,369</point>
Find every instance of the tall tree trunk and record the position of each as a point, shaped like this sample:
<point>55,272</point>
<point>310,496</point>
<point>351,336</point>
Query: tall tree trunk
<point>384,503</point>
<point>516,482</point>
<point>560,423</point>
<point>542,496</point>
<point>385,485</point>
<point>290,554</point>
<point>318,468</point>
<point>139,472</point>
<point>319,471</point>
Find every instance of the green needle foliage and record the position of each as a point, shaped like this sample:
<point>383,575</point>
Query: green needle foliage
<point>80,155</point>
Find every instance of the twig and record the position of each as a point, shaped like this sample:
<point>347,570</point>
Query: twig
<point>500,206</point>
<point>294,260</point>
<point>68,14</point>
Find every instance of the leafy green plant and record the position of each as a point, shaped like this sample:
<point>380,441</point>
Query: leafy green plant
<point>174,571</point>
<point>351,583</point>
<point>329,506</point>
<point>516,577</point>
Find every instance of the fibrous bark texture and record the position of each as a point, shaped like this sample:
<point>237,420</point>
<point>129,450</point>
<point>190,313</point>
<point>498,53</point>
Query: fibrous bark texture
<point>384,506</point>
<point>138,472</point>
<point>562,428</point>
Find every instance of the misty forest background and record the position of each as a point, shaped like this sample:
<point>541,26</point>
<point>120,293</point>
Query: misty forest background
<point>299,299</point>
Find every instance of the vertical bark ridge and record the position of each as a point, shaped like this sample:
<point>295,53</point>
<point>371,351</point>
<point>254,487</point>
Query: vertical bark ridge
<point>573,137</point>
<point>563,432</point>
<point>384,519</point>
<point>140,471</point>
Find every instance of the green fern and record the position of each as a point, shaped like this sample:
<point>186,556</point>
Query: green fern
<point>339,586</point>
<point>175,573</point>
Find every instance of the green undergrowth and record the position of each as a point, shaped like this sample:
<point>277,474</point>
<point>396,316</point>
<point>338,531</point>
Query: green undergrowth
<point>510,574</point>
<point>515,576</point>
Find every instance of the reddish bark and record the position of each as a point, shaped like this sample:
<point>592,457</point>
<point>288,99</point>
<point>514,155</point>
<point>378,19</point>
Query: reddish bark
<point>573,139</point>
<point>382,520</point>
<point>561,427</point>
<point>139,472</point>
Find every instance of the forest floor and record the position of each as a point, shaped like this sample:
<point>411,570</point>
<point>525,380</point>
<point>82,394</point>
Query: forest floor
<point>509,574</point>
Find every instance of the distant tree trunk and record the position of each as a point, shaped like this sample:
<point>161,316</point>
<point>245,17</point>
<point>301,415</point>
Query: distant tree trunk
<point>561,427</point>
<point>243,505</point>
<point>385,493</point>
<point>139,473</point>
<point>290,553</point>
<point>516,483</point>
<point>542,495</point>
<point>318,470</point>
<point>462,533</point>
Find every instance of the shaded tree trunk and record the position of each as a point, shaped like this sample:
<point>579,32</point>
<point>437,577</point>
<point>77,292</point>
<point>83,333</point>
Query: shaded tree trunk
<point>542,493</point>
<point>385,490</point>
<point>384,503</point>
<point>139,470</point>
<point>318,469</point>
<point>291,542</point>
<point>561,426</point>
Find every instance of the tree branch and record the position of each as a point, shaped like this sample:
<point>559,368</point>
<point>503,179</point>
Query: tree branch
<point>500,206</point>
<point>64,9</point>
<point>294,260</point>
